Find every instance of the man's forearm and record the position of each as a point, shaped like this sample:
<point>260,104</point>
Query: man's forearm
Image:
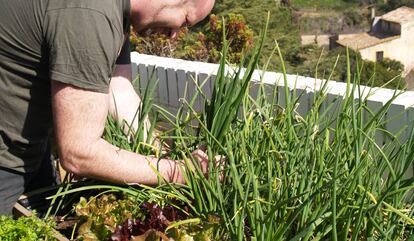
<point>106,162</point>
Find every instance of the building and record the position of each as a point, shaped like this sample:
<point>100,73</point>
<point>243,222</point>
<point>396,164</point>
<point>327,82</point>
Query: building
<point>391,36</point>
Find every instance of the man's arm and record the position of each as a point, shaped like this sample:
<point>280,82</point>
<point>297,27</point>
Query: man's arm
<point>123,99</point>
<point>79,119</point>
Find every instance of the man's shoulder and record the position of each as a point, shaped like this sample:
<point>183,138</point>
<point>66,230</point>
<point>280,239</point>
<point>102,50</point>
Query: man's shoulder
<point>93,11</point>
<point>109,8</point>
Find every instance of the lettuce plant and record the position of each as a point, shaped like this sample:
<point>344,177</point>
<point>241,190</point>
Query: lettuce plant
<point>26,228</point>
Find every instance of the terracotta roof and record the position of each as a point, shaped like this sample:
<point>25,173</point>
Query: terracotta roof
<point>399,15</point>
<point>365,40</point>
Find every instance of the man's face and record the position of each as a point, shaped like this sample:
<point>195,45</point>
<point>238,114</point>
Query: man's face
<point>168,16</point>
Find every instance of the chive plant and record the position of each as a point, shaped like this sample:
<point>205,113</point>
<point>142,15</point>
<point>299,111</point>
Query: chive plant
<point>290,177</point>
<point>283,176</point>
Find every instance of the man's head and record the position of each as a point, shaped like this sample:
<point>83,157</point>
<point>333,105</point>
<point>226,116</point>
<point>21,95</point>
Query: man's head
<point>168,16</point>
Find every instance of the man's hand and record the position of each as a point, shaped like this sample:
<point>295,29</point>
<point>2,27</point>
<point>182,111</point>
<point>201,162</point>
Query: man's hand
<point>201,156</point>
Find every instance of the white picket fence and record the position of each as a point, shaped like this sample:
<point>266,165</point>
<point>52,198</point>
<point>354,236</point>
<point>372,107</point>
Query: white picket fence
<point>175,76</point>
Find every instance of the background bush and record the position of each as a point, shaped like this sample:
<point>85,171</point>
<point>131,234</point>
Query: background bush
<point>245,19</point>
<point>204,45</point>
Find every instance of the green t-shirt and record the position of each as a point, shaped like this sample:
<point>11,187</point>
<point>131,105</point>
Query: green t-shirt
<point>76,42</point>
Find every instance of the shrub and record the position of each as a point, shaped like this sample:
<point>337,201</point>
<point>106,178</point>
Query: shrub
<point>202,46</point>
<point>156,43</point>
<point>239,35</point>
<point>306,58</point>
<point>393,4</point>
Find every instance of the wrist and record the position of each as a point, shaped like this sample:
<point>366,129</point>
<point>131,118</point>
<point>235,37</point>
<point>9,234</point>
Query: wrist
<point>171,170</point>
<point>176,172</point>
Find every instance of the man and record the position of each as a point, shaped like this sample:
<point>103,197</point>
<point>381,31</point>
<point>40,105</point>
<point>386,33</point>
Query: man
<point>57,58</point>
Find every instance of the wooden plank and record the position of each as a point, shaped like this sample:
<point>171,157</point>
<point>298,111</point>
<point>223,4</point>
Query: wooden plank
<point>302,97</point>
<point>281,96</point>
<point>396,121</point>
<point>143,77</point>
<point>204,82</point>
<point>173,95</point>
<point>410,121</point>
<point>267,84</point>
<point>304,88</point>
<point>152,76</point>
<point>134,73</point>
<point>270,91</point>
<point>377,99</point>
<point>212,82</point>
<point>332,108</point>
<point>374,107</point>
<point>398,114</point>
<point>162,85</point>
<point>410,129</point>
<point>254,88</point>
<point>20,211</point>
<point>192,80</point>
<point>181,83</point>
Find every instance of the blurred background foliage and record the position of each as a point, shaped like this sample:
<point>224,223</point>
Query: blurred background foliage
<point>204,45</point>
<point>288,20</point>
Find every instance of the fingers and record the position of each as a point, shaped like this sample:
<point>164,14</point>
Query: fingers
<point>202,157</point>
<point>200,154</point>
<point>203,148</point>
<point>220,162</point>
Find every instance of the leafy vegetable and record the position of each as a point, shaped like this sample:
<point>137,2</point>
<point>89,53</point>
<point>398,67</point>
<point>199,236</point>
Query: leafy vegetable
<point>110,218</point>
<point>101,215</point>
<point>26,229</point>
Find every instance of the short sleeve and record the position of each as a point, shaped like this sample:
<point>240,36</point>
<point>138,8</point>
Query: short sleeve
<point>83,46</point>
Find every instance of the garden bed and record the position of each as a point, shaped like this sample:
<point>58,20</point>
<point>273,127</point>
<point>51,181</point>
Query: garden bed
<point>286,176</point>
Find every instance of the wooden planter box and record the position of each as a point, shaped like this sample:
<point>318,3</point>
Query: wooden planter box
<point>175,75</point>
